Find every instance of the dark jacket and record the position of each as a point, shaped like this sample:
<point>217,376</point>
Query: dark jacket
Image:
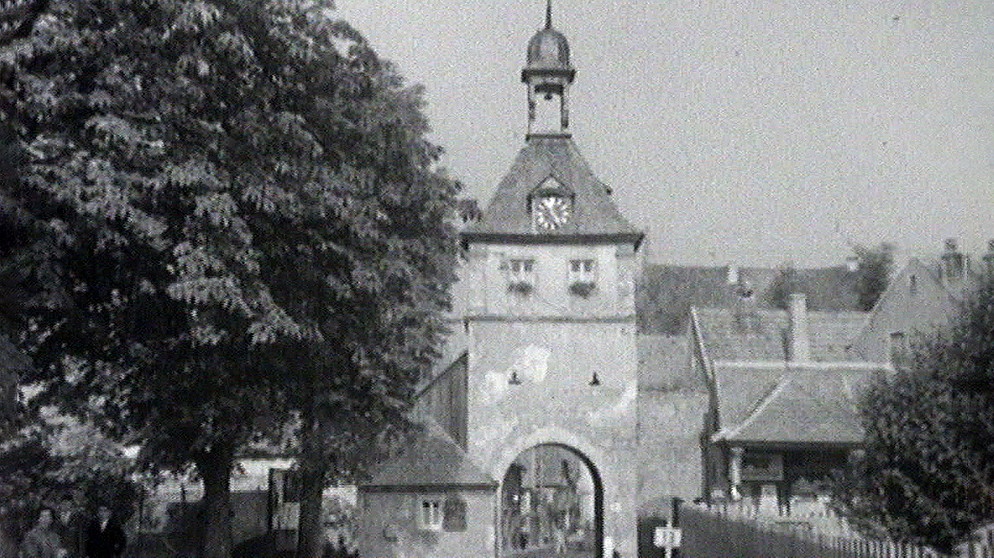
<point>108,542</point>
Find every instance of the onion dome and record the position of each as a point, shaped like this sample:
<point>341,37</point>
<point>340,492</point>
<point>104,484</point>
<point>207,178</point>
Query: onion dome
<point>548,51</point>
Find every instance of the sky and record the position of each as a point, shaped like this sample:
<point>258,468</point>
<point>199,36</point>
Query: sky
<point>745,132</point>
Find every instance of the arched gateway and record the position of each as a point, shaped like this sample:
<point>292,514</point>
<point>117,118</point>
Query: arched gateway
<point>552,502</point>
<point>535,409</point>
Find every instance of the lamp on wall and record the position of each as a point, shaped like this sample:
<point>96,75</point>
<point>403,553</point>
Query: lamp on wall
<point>595,381</point>
<point>514,380</point>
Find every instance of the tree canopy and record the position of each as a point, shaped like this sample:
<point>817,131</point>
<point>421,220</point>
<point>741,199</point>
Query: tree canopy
<point>223,204</point>
<point>928,471</point>
<point>875,266</point>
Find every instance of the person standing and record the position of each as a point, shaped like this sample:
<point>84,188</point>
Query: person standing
<point>70,527</point>
<point>105,536</point>
<point>42,541</point>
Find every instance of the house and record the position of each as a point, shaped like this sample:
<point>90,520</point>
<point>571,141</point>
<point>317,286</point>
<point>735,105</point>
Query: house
<point>783,392</point>
<point>921,298</point>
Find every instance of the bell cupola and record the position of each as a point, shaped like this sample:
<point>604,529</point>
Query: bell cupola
<point>548,74</point>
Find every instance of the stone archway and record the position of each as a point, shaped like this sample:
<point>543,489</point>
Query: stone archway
<point>551,504</point>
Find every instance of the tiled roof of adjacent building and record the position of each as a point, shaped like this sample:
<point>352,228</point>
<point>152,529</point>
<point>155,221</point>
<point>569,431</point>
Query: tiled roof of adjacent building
<point>667,292</point>
<point>594,212</point>
<point>753,334</point>
<point>790,403</point>
<point>431,460</point>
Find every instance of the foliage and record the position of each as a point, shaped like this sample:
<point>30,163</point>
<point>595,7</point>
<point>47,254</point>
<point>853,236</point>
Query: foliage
<point>229,215</point>
<point>57,460</point>
<point>785,283</point>
<point>928,471</point>
<point>875,266</point>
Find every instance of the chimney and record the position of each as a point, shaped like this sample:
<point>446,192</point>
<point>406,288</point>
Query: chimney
<point>852,264</point>
<point>953,262</point>
<point>989,258</point>
<point>800,345</point>
<point>733,275</point>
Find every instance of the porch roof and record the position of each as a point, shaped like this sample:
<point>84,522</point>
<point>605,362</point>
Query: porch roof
<point>791,404</point>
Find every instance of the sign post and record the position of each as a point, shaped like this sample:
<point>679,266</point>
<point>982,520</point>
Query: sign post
<point>667,538</point>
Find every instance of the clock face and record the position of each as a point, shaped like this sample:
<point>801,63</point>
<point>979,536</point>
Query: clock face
<point>551,212</point>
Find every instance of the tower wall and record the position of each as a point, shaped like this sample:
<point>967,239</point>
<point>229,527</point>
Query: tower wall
<point>532,359</point>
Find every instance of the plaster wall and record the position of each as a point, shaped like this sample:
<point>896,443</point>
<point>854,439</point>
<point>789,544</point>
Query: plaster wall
<point>901,310</point>
<point>488,275</point>
<point>389,526</point>
<point>554,361</point>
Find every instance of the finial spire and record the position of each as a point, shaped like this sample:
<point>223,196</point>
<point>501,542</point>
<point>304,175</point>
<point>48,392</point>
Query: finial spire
<point>548,14</point>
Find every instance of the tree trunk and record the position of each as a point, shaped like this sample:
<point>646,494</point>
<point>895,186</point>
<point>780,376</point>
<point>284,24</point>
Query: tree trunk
<point>310,534</point>
<point>313,470</point>
<point>215,471</point>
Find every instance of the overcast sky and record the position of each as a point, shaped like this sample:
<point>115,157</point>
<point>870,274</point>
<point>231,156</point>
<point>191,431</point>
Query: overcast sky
<point>743,131</point>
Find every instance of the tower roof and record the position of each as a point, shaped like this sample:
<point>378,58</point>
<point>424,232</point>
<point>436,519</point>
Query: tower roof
<point>595,215</point>
<point>548,50</point>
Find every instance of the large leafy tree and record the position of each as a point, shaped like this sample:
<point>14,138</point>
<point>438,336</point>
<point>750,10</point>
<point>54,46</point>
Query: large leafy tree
<point>228,217</point>
<point>928,471</point>
<point>875,266</point>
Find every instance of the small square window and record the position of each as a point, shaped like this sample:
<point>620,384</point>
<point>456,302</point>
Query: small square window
<point>430,514</point>
<point>582,270</point>
<point>521,266</point>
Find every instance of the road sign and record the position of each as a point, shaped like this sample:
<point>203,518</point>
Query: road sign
<point>666,537</point>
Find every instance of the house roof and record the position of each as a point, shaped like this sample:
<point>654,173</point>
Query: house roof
<point>752,334</point>
<point>667,292</point>
<point>594,213</point>
<point>431,460</point>
<point>791,404</point>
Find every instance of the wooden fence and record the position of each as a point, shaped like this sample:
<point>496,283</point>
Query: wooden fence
<point>709,534</point>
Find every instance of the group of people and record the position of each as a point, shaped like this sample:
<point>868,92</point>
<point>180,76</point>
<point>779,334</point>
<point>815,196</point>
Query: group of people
<point>65,536</point>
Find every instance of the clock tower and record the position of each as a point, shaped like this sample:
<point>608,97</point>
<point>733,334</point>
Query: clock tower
<point>549,324</point>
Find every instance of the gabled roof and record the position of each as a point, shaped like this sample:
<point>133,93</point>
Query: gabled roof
<point>753,334</point>
<point>431,461</point>
<point>667,292</point>
<point>594,213</point>
<point>791,404</point>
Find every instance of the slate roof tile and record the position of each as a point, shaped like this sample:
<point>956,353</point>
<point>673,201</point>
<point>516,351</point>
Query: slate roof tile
<point>431,459</point>
<point>753,334</point>
<point>667,292</point>
<point>791,404</point>
<point>594,212</point>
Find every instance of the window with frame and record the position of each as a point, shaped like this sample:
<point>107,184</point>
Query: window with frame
<point>521,275</point>
<point>521,269</point>
<point>582,277</point>
<point>431,514</point>
<point>582,271</point>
